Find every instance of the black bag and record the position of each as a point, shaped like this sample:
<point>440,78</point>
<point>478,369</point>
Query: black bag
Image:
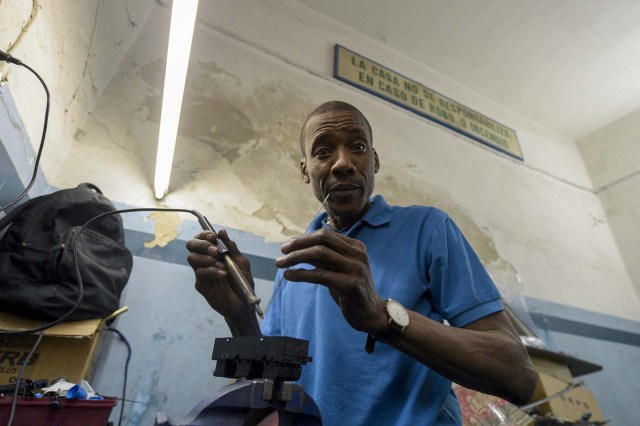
<point>37,276</point>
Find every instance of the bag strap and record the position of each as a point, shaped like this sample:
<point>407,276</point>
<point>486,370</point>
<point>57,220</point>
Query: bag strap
<point>92,187</point>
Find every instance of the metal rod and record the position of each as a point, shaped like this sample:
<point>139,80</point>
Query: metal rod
<point>243,284</point>
<point>238,279</point>
<point>549,398</point>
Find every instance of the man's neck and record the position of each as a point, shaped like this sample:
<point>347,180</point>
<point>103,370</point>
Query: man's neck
<point>343,223</point>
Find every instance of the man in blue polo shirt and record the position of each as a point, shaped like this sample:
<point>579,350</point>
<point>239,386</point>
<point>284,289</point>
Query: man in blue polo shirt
<point>368,272</point>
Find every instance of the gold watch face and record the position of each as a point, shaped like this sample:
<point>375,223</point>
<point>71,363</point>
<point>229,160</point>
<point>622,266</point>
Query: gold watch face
<point>398,313</point>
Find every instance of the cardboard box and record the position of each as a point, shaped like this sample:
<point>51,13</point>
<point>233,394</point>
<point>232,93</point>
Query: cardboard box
<point>577,367</point>
<point>556,369</point>
<point>67,350</point>
<point>570,406</point>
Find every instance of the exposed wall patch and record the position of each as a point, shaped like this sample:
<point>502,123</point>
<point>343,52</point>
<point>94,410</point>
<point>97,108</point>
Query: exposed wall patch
<point>166,228</point>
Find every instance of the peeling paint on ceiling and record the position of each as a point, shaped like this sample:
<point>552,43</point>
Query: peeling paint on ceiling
<point>238,153</point>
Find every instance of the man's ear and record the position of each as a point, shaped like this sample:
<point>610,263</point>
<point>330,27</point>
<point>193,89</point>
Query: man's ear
<point>303,171</point>
<point>377,160</point>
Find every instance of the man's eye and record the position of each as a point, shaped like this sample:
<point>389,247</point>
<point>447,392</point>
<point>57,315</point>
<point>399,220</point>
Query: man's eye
<point>359,147</point>
<point>320,152</point>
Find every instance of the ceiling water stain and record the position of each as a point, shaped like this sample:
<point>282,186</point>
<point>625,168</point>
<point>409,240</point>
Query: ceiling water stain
<point>255,126</point>
<point>153,74</point>
<point>265,212</point>
<point>242,135</point>
<point>218,124</point>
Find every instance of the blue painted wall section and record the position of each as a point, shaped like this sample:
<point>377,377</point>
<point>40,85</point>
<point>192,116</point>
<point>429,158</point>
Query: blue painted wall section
<point>612,342</point>
<point>16,153</point>
<point>171,328</point>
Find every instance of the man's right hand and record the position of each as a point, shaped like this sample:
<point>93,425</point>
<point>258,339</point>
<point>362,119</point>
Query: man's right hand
<point>214,282</point>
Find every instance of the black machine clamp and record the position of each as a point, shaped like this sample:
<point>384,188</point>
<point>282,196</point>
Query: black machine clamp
<point>266,368</point>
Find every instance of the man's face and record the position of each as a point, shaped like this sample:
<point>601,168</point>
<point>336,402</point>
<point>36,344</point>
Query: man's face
<point>340,161</point>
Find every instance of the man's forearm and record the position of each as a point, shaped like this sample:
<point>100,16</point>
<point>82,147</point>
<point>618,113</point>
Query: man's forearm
<point>484,357</point>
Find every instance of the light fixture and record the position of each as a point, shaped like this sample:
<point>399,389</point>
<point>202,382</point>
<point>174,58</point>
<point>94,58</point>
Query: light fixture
<point>183,18</point>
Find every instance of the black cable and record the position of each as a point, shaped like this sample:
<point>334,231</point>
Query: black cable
<point>126,370</point>
<point>61,406</point>
<point>14,401</point>
<point>201,219</point>
<point>10,59</point>
<point>74,248</point>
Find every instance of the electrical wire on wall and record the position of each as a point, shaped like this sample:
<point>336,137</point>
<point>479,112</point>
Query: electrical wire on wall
<point>25,28</point>
<point>237,276</point>
<point>10,59</point>
<point>7,57</point>
<point>126,370</point>
<point>16,391</point>
<point>74,247</point>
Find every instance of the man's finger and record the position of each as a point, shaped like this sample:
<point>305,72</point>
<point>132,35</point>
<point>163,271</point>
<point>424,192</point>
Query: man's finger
<point>198,245</point>
<point>321,257</point>
<point>322,237</point>
<point>330,279</point>
<point>231,245</point>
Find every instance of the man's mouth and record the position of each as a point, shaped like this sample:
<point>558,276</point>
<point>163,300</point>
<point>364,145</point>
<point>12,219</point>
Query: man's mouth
<point>343,188</point>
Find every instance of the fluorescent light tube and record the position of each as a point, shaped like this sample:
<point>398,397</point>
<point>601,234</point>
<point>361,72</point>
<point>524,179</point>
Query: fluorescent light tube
<point>183,19</point>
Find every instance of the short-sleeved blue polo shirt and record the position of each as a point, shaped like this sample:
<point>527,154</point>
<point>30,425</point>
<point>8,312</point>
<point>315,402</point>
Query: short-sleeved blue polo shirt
<point>418,257</point>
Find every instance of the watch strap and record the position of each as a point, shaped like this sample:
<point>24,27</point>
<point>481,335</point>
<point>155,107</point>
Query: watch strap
<point>389,331</point>
<point>370,344</point>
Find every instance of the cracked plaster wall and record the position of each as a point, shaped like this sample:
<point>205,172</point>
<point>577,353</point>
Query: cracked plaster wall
<point>75,46</point>
<point>257,69</point>
<point>252,80</point>
<point>612,155</point>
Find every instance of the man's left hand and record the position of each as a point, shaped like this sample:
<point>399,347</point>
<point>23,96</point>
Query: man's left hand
<point>342,265</point>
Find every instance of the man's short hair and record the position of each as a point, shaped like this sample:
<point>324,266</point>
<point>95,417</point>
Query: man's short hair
<point>331,106</point>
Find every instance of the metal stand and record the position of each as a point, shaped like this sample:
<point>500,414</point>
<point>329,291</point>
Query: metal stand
<point>268,366</point>
<point>248,402</point>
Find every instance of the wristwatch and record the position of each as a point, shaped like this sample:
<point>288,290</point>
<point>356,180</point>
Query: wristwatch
<point>398,321</point>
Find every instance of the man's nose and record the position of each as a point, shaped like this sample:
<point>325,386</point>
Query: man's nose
<point>343,162</point>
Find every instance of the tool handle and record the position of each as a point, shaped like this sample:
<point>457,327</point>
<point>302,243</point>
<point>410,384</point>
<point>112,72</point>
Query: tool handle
<point>206,225</point>
<point>242,284</point>
<point>238,278</point>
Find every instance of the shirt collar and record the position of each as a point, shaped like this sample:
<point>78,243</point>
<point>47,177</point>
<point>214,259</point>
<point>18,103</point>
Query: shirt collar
<point>378,214</point>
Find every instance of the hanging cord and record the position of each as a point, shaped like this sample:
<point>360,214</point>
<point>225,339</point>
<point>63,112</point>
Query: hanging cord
<point>10,59</point>
<point>126,370</point>
<point>41,329</point>
<point>14,401</point>
<point>74,248</point>
<point>25,28</point>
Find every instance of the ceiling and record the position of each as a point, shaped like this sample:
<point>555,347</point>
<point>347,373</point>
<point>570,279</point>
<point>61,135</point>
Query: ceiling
<point>570,65</point>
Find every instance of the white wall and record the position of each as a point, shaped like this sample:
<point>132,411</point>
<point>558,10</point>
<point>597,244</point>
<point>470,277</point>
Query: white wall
<point>75,46</point>
<point>612,155</point>
<point>257,69</point>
